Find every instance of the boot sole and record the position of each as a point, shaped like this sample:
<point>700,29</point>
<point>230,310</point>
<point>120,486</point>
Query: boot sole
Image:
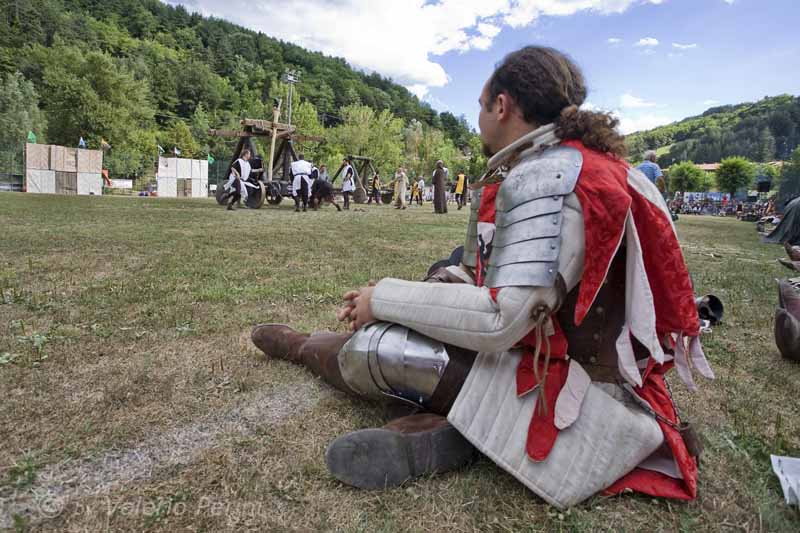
<point>379,458</point>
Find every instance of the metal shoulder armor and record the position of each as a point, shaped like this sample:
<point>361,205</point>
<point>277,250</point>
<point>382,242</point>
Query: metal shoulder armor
<point>470,257</point>
<point>527,239</point>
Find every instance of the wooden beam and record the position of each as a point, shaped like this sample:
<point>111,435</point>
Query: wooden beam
<point>234,133</point>
<point>276,113</point>
<point>264,125</point>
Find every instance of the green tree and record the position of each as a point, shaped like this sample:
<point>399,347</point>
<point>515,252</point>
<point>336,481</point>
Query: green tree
<point>92,95</point>
<point>735,173</point>
<point>685,176</point>
<point>790,177</point>
<point>19,114</point>
<point>200,125</point>
<point>477,161</point>
<point>179,135</point>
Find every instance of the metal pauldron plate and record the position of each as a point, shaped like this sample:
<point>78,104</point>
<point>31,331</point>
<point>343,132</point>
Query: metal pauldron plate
<point>471,243</point>
<point>529,205</point>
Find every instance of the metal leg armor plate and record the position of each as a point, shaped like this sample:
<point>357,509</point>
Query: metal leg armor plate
<point>384,359</point>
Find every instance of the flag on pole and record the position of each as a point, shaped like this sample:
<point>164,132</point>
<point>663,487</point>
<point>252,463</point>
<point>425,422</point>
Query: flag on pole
<point>81,143</point>
<point>210,159</point>
<point>176,151</point>
<point>160,149</point>
<point>31,137</point>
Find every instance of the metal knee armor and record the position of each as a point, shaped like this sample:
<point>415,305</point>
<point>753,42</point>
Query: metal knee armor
<point>384,359</point>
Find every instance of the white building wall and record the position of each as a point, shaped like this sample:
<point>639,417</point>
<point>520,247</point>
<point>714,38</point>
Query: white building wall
<point>40,181</point>
<point>167,167</point>
<point>184,168</point>
<point>90,183</point>
<point>197,189</point>
<point>168,187</point>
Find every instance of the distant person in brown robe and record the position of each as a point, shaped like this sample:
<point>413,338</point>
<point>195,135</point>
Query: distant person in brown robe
<point>439,190</point>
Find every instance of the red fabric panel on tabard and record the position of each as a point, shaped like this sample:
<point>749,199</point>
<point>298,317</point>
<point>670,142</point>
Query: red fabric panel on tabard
<point>654,391</point>
<point>602,190</point>
<point>667,274</point>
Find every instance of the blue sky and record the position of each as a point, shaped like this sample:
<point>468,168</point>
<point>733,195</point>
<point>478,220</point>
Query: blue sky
<point>649,61</point>
<point>743,51</point>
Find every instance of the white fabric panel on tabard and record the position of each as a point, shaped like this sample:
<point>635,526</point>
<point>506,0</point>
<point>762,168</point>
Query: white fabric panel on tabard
<point>184,168</point>
<point>40,181</point>
<point>167,167</point>
<point>606,442</point>
<point>90,183</point>
<point>168,187</point>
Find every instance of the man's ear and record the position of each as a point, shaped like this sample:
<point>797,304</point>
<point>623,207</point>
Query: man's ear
<point>504,106</point>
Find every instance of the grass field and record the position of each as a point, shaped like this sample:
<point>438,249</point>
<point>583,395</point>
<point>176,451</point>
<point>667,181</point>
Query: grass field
<point>133,400</point>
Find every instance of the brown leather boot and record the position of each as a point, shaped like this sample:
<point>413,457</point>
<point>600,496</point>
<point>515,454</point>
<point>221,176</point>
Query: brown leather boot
<point>318,352</point>
<point>787,321</point>
<point>403,449</point>
<point>279,340</point>
<point>791,265</point>
<point>792,251</point>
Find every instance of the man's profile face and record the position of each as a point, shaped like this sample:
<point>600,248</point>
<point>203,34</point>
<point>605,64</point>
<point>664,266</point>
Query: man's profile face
<point>487,122</point>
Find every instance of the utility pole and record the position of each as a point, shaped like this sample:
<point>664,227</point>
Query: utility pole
<point>291,77</point>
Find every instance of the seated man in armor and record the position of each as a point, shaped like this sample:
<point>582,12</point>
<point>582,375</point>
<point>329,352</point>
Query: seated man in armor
<point>547,348</point>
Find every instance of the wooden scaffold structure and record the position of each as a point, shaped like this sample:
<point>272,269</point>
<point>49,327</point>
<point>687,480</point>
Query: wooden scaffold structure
<point>273,186</point>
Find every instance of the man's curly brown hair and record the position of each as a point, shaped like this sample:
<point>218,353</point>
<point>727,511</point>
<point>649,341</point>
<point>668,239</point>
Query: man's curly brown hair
<point>548,87</point>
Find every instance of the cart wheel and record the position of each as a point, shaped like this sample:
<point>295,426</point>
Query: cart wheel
<point>221,195</point>
<point>386,197</point>
<point>255,196</point>
<point>274,196</point>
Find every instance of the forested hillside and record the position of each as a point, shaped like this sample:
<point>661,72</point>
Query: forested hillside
<point>761,131</point>
<point>139,74</point>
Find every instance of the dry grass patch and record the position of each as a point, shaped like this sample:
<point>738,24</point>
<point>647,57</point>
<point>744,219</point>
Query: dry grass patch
<point>133,398</point>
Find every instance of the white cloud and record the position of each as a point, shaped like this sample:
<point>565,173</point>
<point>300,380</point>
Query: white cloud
<point>647,41</point>
<point>729,2</point>
<point>628,124</point>
<point>418,89</point>
<point>488,30</point>
<point>710,102</point>
<point>680,46</point>
<point>630,101</point>
<point>397,38</point>
<point>614,40</point>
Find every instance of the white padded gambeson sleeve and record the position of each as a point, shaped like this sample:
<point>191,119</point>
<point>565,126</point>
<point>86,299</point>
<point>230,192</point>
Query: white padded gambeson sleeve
<point>468,316</point>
